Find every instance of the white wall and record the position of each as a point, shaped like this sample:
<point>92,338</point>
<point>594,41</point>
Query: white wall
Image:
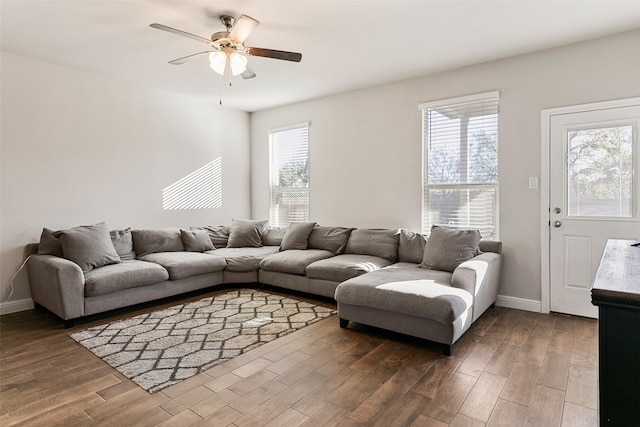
<point>77,148</point>
<point>365,146</point>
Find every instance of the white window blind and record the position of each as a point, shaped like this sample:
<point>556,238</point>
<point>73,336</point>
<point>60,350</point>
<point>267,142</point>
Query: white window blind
<point>460,166</point>
<point>289,175</point>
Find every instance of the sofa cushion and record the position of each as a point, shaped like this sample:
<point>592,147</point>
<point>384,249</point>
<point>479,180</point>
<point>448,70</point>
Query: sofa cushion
<point>343,267</point>
<point>50,243</point>
<point>332,239</point>
<point>411,246</point>
<point>273,236</point>
<point>127,274</point>
<point>89,246</point>
<point>297,236</point>
<point>408,291</point>
<point>123,242</point>
<point>246,233</point>
<point>244,259</point>
<point>219,235</point>
<point>196,240</point>
<point>447,248</point>
<point>294,261</point>
<point>380,243</point>
<point>186,264</point>
<point>159,240</point>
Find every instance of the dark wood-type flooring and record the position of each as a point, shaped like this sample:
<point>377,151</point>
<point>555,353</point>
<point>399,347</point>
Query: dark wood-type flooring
<point>512,368</point>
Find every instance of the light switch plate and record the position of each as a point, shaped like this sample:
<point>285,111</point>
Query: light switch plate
<point>533,182</point>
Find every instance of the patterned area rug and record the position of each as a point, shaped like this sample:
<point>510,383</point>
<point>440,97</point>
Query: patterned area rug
<point>162,348</point>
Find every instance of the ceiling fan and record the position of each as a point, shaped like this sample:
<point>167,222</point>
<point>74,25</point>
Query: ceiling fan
<point>228,46</point>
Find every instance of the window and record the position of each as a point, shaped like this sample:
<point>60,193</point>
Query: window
<point>460,165</point>
<point>289,175</point>
<point>600,171</point>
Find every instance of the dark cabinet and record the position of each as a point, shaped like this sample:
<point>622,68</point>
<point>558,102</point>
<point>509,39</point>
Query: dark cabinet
<point>616,292</point>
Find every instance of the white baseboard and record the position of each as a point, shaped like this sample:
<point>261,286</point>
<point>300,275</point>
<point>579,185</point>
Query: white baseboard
<point>519,303</point>
<point>15,306</point>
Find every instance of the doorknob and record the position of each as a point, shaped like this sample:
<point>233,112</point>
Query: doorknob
<point>557,224</point>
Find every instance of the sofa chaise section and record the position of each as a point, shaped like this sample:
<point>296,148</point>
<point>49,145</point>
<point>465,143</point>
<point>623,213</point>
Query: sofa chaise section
<point>435,305</point>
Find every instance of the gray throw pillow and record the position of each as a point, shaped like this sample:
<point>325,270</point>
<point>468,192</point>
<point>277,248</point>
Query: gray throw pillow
<point>447,248</point>
<point>89,246</point>
<point>411,248</point>
<point>147,242</point>
<point>297,236</point>
<point>196,240</point>
<point>123,242</point>
<point>50,243</point>
<point>380,243</point>
<point>273,236</point>
<point>246,233</point>
<point>332,239</point>
<point>219,234</point>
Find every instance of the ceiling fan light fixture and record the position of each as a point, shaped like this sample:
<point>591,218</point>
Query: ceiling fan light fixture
<point>238,63</point>
<point>218,62</point>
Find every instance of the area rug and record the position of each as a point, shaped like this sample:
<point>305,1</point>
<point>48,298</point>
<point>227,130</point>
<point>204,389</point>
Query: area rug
<point>164,347</point>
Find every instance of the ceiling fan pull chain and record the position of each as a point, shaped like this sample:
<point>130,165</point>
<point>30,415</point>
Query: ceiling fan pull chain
<point>220,90</point>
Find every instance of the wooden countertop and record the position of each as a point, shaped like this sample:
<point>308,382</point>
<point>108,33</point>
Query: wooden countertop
<point>617,281</point>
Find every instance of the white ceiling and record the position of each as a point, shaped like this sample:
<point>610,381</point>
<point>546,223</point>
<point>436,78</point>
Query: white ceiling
<point>346,45</point>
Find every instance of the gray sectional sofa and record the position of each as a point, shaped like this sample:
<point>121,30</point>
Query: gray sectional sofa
<point>394,279</point>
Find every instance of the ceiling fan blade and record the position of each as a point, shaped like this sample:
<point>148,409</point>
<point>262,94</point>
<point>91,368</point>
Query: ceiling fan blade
<point>243,28</point>
<point>180,33</point>
<point>188,58</point>
<point>276,54</point>
<point>248,73</point>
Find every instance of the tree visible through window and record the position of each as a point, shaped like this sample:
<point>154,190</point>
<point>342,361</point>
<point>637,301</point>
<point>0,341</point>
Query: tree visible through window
<point>600,171</point>
<point>289,175</point>
<point>460,178</point>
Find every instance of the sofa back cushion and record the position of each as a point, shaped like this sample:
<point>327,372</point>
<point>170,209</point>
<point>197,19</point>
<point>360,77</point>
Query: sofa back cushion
<point>246,233</point>
<point>375,242</point>
<point>332,239</point>
<point>123,242</point>
<point>447,248</point>
<point>89,246</point>
<point>297,236</point>
<point>196,240</point>
<point>273,236</point>
<point>411,246</point>
<point>219,234</point>
<point>147,242</point>
<point>50,243</point>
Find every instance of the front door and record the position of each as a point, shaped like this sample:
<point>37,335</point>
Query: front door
<point>594,193</point>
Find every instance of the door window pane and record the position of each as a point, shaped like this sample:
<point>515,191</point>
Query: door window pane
<point>600,171</point>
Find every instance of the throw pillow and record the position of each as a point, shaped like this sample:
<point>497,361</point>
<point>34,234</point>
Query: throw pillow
<point>411,247</point>
<point>447,248</point>
<point>196,240</point>
<point>123,242</point>
<point>147,242</point>
<point>332,239</point>
<point>273,236</point>
<point>380,243</point>
<point>246,233</point>
<point>219,234</point>
<point>89,246</point>
<point>50,243</point>
<point>297,236</point>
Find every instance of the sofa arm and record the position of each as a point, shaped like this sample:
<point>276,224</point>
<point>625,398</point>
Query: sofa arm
<point>480,276</point>
<point>57,284</point>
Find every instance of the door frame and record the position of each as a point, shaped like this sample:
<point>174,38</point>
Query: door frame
<point>545,191</point>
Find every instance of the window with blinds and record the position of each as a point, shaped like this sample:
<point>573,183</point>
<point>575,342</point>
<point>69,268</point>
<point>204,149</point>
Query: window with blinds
<point>289,175</point>
<point>460,165</point>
